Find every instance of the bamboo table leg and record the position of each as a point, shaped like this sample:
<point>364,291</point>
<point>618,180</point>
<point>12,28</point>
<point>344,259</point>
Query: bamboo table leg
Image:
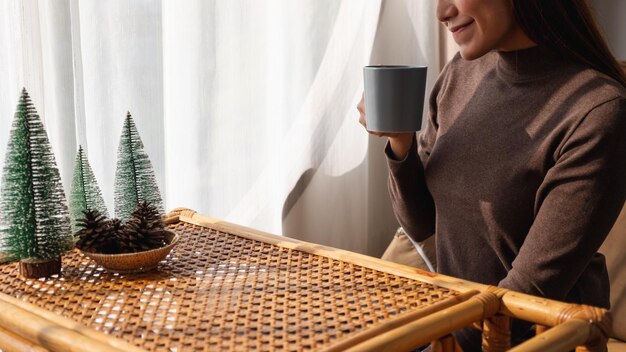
<point>445,344</point>
<point>497,333</point>
<point>540,329</point>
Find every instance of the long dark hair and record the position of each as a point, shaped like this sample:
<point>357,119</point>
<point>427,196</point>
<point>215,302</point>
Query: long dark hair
<point>568,27</point>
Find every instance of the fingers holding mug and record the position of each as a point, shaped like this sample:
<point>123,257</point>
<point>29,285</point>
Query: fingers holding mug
<point>361,108</point>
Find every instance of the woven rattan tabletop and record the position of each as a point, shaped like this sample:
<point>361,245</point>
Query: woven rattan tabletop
<point>221,289</point>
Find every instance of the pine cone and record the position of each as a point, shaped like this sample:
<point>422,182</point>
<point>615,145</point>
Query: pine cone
<point>137,238</point>
<point>149,216</point>
<point>94,234</point>
<point>116,231</point>
<point>144,231</point>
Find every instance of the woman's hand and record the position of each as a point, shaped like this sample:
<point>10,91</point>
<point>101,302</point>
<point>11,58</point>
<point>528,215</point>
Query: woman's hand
<point>400,142</point>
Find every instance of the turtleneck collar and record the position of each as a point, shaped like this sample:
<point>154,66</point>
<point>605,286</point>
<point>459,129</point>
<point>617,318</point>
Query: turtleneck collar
<point>527,64</point>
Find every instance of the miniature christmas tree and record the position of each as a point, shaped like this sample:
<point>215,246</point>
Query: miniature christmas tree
<point>85,194</point>
<point>134,177</point>
<point>34,215</point>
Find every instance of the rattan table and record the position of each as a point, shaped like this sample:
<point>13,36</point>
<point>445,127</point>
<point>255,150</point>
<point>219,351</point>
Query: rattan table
<point>225,287</point>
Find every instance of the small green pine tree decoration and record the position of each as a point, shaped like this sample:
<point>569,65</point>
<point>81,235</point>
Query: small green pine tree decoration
<point>134,177</point>
<point>85,194</point>
<point>33,211</point>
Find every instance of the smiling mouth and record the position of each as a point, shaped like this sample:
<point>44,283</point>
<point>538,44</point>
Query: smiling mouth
<point>458,28</point>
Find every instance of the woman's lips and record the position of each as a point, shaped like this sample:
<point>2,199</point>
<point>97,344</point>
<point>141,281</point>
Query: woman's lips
<point>456,29</point>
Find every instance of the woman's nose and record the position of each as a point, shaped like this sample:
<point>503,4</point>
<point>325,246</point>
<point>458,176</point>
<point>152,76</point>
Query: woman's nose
<point>445,10</point>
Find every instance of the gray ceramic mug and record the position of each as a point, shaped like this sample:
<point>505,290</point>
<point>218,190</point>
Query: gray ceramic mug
<point>394,97</point>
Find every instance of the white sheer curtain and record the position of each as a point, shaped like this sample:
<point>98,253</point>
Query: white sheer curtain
<point>246,108</point>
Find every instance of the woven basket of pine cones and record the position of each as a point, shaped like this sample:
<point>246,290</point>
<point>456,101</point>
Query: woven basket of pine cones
<point>134,262</point>
<point>136,245</point>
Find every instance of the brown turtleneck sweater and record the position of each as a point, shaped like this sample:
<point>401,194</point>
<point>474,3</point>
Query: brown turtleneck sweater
<point>520,172</point>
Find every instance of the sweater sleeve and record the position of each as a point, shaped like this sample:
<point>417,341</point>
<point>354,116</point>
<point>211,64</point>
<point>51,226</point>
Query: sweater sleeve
<point>576,205</point>
<point>411,200</point>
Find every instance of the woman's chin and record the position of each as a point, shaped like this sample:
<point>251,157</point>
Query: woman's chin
<point>470,53</point>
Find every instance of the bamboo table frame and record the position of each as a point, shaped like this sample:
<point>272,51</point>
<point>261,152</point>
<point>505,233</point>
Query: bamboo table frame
<point>228,287</point>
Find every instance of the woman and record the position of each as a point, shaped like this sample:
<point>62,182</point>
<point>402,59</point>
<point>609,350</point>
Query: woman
<point>521,168</point>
